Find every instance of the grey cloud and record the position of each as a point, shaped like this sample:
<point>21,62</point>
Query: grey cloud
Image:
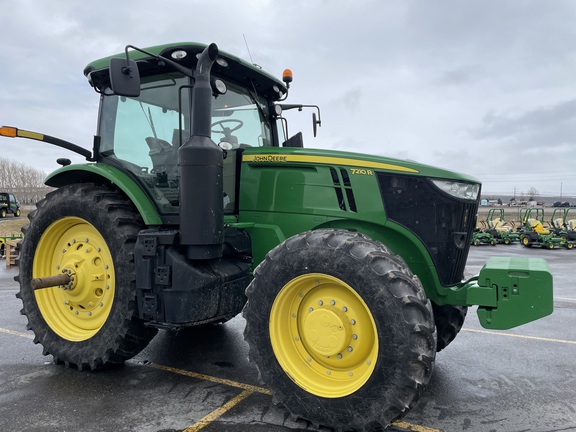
<point>459,75</point>
<point>542,121</point>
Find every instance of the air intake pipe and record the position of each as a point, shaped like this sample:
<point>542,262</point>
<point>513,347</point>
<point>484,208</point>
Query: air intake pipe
<point>200,164</point>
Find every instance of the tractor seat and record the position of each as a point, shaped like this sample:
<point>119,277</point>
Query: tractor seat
<point>500,227</point>
<point>558,223</point>
<point>539,228</point>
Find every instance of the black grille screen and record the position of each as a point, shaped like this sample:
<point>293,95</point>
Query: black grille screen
<point>444,224</point>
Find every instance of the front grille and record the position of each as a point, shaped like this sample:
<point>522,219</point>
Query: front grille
<point>444,224</point>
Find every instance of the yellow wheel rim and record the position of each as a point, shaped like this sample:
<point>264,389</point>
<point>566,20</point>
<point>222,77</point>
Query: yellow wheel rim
<point>72,245</point>
<point>323,335</point>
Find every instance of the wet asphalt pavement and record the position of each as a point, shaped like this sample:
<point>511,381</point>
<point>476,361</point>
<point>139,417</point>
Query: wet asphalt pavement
<point>523,379</point>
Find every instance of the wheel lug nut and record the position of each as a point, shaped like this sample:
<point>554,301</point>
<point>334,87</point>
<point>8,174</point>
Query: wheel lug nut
<point>320,302</point>
<point>354,336</point>
<point>332,302</point>
<point>339,356</point>
<point>353,321</point>
<point>350,349</point>
<point>310,309</point>
<point>344,309</point>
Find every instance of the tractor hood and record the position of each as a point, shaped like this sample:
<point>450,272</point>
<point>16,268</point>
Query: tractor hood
<point>275,156</point>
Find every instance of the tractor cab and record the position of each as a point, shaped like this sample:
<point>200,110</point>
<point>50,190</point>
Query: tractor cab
<point>142,134</point>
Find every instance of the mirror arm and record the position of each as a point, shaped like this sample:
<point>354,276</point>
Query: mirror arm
<point>186,71</point>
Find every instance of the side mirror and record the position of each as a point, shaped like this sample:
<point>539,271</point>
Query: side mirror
<point>124,77</point>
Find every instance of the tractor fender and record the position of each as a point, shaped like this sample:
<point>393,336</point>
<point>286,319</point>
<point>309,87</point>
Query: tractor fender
<point>106,174</point>
<point>405,244</point>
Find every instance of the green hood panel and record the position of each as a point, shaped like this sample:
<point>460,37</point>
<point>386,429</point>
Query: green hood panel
<point>275,155</point>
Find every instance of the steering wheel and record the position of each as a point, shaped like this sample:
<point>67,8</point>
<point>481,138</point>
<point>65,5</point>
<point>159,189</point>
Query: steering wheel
<point>239,124</point>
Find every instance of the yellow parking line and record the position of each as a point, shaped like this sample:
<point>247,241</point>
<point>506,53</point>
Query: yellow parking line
<point>251,388</point>
<point>521,336</point>
<point>15,333</point>
<point>248,391</point>
<point>206,420</point>
<point>413,427</point>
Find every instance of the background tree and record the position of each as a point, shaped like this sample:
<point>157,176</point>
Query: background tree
<point>25,182</point>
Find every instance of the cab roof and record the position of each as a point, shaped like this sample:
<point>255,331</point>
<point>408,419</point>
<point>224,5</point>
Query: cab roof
<point>232,68</point>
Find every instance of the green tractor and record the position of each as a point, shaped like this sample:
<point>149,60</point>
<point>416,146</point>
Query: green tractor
<point>348,267</point>
<point>536,234</point>
<point>481,235</point>
<point>562,225</point>
<point>503,233</point>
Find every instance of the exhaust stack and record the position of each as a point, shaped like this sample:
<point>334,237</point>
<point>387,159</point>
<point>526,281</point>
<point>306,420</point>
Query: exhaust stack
<point>200,165</point>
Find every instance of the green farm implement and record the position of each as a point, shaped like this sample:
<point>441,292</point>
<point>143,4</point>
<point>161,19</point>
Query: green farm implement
<point>535,234</point>
<point>563,224</point>
<point>503,233</point>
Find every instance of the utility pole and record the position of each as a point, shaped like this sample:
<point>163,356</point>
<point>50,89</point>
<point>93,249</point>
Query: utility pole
<point>560,191</point>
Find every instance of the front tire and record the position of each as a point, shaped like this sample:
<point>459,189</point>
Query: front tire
<point>449,320</point>
<point>88,231</point>
<point>340,330</point>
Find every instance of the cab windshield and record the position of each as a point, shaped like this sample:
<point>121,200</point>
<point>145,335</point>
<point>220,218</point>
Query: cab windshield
<point>143,134</point>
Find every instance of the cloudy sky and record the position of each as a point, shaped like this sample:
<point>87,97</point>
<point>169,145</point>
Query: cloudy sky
<point>486,87</point>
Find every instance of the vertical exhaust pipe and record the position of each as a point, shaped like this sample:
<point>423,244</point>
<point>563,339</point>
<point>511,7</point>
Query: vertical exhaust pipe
<point>200,164</point>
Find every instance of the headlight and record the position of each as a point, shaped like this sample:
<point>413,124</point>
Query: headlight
<point>467,191</point>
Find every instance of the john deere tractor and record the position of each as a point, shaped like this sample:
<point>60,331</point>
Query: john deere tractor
<point>195,205</point>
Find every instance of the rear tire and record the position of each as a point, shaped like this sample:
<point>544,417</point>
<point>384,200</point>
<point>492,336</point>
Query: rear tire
<point>3,213</point>
<point>89,230</point>
<point>340,330</point>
